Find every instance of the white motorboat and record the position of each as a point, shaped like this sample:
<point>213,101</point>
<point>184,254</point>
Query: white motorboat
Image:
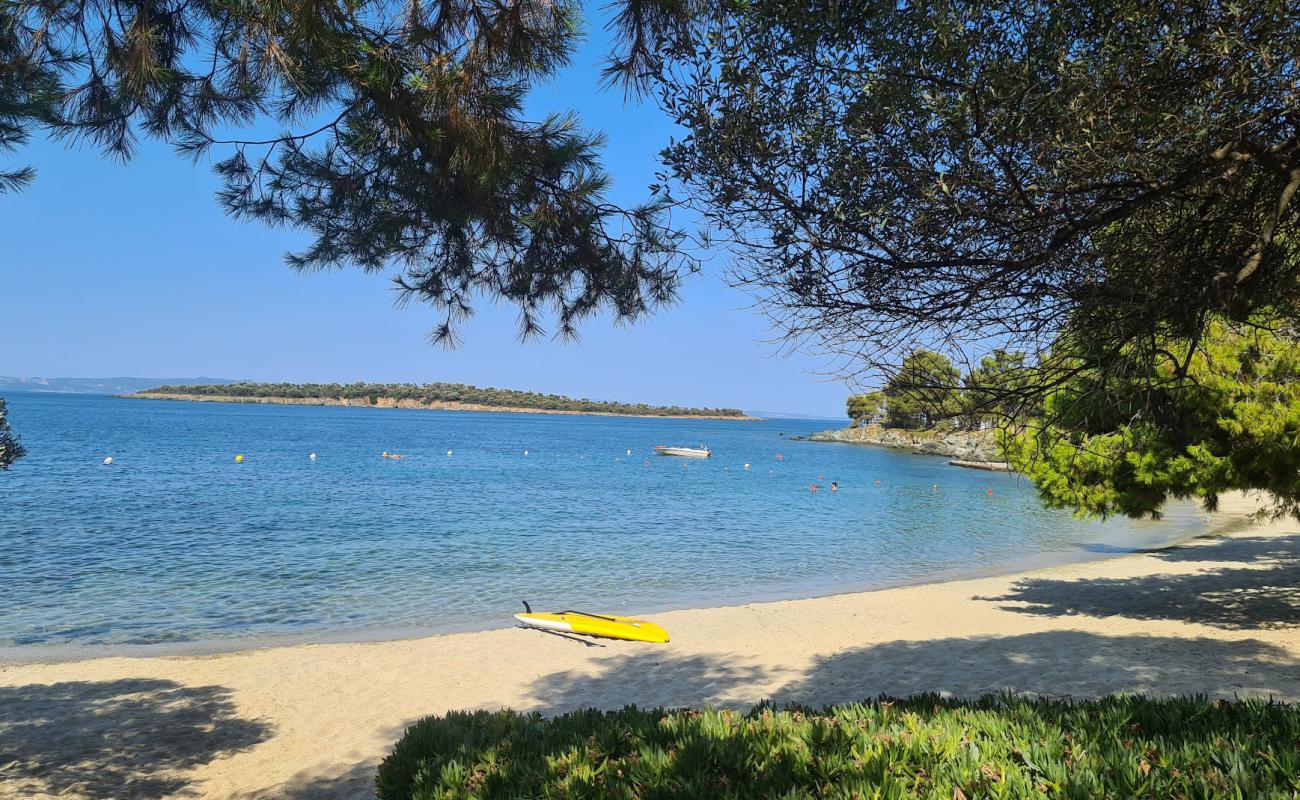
<point>688,452</point>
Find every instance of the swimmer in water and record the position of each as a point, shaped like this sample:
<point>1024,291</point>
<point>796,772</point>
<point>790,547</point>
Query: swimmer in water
<point>877,483</point>
<point>813,488</point>
<point>384,454</point>
<point>835,487</point>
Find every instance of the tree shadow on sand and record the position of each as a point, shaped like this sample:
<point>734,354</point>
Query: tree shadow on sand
<point>131,738</point>
<point>1263,594</point>
<point>354,783</point>
<point>652,678</point>
<point>1056,663</point>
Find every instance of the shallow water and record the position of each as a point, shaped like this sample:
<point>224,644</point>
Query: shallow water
<point>176,543</point>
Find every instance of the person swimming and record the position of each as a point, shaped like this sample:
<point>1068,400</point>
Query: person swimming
<point>835,487</point>
<point>813,488</point>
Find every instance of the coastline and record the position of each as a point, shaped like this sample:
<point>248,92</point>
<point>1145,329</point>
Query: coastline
<point>383,402</point>
<point>1212,615</point>
<point>1224,524</point>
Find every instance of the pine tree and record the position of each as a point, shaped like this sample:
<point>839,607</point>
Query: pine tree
<point>405,142</point>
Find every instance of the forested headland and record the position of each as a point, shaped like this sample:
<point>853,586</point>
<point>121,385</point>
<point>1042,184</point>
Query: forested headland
<point>432,395</point>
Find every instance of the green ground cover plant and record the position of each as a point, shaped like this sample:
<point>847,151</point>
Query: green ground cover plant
<point>926,746</point>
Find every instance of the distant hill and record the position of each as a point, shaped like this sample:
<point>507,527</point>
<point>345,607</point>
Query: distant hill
<point>451,396</point>
<point>95,385</point>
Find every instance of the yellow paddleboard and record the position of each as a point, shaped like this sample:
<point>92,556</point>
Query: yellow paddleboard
<point>609,626</point>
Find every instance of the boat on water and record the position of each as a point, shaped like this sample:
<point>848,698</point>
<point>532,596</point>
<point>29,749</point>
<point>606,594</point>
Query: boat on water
<point>588,624</point>
<point>688,452</point>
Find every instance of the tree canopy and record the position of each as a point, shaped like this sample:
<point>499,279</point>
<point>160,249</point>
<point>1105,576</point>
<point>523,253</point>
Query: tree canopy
<point>863,407</point>
<point>1095,183</point>
<point>923,391</point>
<point>404,140</point>
<point>1105,443</point>
<point>896,175</point>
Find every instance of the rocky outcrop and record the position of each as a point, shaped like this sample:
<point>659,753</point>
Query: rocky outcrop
<point>959,445</point>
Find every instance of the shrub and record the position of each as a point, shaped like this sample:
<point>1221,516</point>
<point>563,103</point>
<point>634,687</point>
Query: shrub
<point>999,746</point>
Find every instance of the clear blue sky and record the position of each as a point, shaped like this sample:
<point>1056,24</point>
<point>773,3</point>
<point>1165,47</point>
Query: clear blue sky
<point>134,270</point>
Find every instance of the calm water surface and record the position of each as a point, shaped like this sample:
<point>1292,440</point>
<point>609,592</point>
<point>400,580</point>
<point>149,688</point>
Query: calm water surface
<point>176,543</point>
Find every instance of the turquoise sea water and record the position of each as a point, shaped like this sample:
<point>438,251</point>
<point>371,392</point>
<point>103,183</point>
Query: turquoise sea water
<point>177,544</point>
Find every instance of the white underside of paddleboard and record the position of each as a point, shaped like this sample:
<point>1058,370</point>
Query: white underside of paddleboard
<point>545,624</point>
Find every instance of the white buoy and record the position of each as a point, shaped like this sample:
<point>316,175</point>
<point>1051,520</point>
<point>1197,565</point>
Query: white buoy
<point>525,452</point>
<point>448,454</point>
<point>108,460</point>
<point>746,466</point>
<point>629,451</point>
<point>312,456</point>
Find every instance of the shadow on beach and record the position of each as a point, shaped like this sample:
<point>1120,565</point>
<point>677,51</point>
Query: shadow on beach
<point>1264,593</point>
<point>122,739</point>
<point>354,783</point>
<point>1057,663</point>
<point>650,679</point>
<point>1260,590</point>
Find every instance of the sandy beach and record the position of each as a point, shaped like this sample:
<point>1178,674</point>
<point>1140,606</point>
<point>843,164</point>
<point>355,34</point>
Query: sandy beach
<point>1216,616</point>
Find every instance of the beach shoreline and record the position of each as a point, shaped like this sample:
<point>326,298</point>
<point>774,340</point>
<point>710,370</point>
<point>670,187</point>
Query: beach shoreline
<point>35,654</point>
<point>1213,616</point>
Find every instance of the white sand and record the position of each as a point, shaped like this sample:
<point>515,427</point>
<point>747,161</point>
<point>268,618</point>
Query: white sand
<point>1218,617</point>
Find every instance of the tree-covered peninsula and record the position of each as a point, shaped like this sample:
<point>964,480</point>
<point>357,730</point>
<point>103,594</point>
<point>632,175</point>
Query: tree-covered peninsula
<point>430,395</point>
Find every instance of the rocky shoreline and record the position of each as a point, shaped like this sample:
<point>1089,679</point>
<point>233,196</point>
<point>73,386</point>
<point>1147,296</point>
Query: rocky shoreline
<point>386,402</point>
<point>973,449</point>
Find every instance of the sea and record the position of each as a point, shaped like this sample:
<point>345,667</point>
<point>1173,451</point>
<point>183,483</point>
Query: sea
<point>178,547</point>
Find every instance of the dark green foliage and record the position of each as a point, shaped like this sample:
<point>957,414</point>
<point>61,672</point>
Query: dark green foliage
<point>441,393</point>
<point>27,99</point>
<point>928,389</point>
<point>405,141</point>
<point>1215,415</point>
<point>10,448</point>
<point>864,407</point>
<point>923,391</point>
<point>923,748</point>
<point>1094,183</point>
<point>993,390</point>
<point>906,174</point>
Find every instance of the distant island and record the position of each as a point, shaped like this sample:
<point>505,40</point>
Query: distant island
<point>117,385</point>
<point>436,396</point>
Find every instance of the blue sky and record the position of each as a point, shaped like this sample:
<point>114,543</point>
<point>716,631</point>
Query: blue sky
<point>134,270</point>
